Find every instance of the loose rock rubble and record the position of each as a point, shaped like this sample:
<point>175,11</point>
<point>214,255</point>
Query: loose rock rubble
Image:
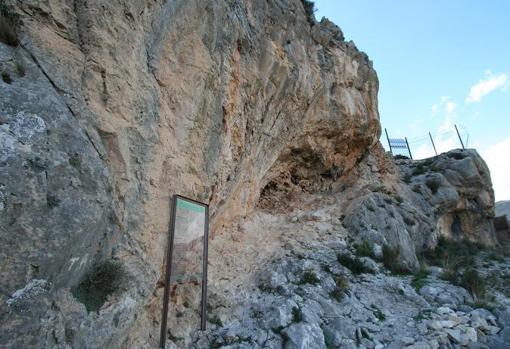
<point>295,306</point>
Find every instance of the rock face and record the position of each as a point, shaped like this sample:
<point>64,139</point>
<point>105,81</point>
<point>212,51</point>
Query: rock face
<point>123,104</point>
<point>252,106</point>
<point>450,195</point>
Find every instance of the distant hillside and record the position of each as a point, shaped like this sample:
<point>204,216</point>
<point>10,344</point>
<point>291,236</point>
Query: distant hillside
<point>503,207</point>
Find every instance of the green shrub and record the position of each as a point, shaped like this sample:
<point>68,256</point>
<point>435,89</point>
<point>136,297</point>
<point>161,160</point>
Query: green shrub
<point>6,77</point>
<point>75,161</point>
<point>355,265</point>
<point>420,278</point>
<point>378,313</point>
<point>419,170</point>
<point>365,249</point>
<point>496,255</point>
<point>342,285</point>
<point>401,157</point>
<point>297,314</point>
<point>457,156</point>
<point>473,282</point>
<point>329,340</point>
<point>326,268</point>
<point>98,285</point>
<point>9,22</point>
<point>309,277</point>
<point>264,287</point>
<point>390,258</point>
<point>20,69</point>
<point>450,275</point>
<point>52,201</point>
<point>423,314</point>
<point>215,320</point>
<point>450,254</point>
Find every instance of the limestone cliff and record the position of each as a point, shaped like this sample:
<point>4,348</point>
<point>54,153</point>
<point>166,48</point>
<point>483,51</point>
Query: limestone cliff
<point>252,106</point>
<point>123,104</point>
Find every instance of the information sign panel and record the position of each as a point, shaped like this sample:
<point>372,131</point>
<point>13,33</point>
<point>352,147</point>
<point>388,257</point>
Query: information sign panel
<point>186,259</point>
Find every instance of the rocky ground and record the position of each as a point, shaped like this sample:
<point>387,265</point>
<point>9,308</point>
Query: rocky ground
<point>316,297</point>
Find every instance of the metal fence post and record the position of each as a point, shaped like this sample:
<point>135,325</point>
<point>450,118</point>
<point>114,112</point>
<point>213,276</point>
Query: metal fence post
<point>460,139</point>
<point>388,138</point>
<point>433,145</point>
<point>408,148</point>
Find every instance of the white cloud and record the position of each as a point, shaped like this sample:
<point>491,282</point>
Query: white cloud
<point>495,157</point>
<point>450,107</point>
<point>486,85</point>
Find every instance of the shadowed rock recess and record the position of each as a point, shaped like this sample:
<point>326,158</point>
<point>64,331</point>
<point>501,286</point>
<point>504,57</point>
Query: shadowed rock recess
<point>318,238</point>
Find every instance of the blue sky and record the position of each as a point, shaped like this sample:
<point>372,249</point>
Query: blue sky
<point>439,63</point>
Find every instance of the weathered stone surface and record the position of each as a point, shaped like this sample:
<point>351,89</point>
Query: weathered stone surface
<point>450,195</point>
<point>304,336</point>
<point>445,293</point>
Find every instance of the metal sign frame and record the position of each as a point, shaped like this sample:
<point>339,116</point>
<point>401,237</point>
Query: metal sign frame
<point>168,268</point>
<point>398,143</point>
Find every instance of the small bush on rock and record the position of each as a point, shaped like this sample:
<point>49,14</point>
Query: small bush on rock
<point>399,199</point>
<point>457,156</point>
<point>342,285</point>
<point>20,69</point>
<point>378,313</point>
<point>472,281</point>
<point>215,320</point>
<point>452,255</point>
<point>309,277</point>
<point>297,314</point>
<point>6,77</point>
<point>419,170</point>
<point>98,285</point>
<point>401,157</point>
<point>420,278</point>
<point>365,249</point>
<point>9,22</point>
<point>355,265</point>
<point>390,258</point>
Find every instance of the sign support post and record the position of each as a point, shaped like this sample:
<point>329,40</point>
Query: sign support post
<point>166,296</point>
<point>203,313</point>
